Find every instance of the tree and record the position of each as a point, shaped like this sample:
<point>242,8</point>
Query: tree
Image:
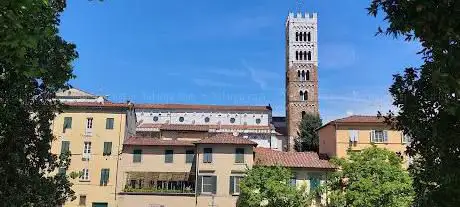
<point>270,187</point>
<point>372,177</point>
<point>427,97</point>
<point>35,62</point>
<point>307,136</point>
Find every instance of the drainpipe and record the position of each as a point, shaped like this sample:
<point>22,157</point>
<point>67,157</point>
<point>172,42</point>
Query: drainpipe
<point>118,154</point>
<point>197,161</point>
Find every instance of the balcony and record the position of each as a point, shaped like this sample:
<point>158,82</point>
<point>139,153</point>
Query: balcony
<point>160,183</point>
<point>88,132</point>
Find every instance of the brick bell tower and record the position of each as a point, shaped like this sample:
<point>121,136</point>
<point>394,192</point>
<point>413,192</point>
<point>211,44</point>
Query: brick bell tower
<point>301,70</point>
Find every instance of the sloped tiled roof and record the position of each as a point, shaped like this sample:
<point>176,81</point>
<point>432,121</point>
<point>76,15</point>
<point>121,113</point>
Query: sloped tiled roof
<point>357,119</point>
<point>225,138</point>
<point>96,104</point>
<point>184,127</point>
<point>269,157</point>
<point>203,107</point>
<point>194,127</point>
<point>140,141</point>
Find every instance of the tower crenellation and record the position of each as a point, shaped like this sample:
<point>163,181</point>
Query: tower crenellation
<point>301,70</point>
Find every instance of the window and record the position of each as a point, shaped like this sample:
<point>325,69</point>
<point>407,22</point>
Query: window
<point>67,123</point>
<point>239,155</point>
<point>307,75</point>
<point>207,158</point>
<point>169,156</point>
<point>303,75</point>
<point>84,174</point>
<point>303,114</point>
<point>206,119</point>
<point>296,55</point>
<point>379,136</point>
<point>232,120</point>
<point>257,121</point>
<point>296,36</point>
<point>298,74</point>
<point>109,123</point>
<point>181,119</point>
<point>155,118</point>
<point>314,182</point>
<point>309,55</point>
<point>353,135</point>
<point>89,123</point>
<point>189,156</point>
<point>293,180</point>
<point>82,201</point>
<point>304,55</point>
<point>87,149</point>
<point>137,155</point>
<point>406,139</point>
<point>208,184</point>
<point>305,95</point>
<point>235,184</point>
<point>65,145</point>
<point>107,148</point>
<point>104,176</point>
<point>309,36</point>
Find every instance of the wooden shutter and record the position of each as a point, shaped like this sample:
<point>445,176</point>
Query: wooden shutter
<point>65,147</point>
<point>214,184</point>
<point>107,175</point>
<point>372,135</point>
<point>199,184</point>
<point>232,183</point>
<point>101,182</point>
<point>109,123</point>
<point>189,156</point>
<point>356,132</point>
<point>169,156</point>
<point>107,148</point>
<point>385,136</point>
<point>239,155</point>
<point>137,155</point>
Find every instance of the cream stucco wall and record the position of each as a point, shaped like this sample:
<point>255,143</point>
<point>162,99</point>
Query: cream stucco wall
<point>76,135</point>
<point>327,140</point>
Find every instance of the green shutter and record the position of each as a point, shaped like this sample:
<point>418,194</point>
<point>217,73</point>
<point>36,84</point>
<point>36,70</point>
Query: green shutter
<point>169,156</point>
<point>214,184</point>
<point>232,183</point>
<point>199,184</point>
<point>109,123</point>
<point>67,123</point>
<point>239,155</point>
<point>107,174</point>
<point>189,156</point>
<point>101,182</point>
<point>137,155</point>
<point>104,176</point>
<point>107,148</point>
<point>385,136</point>
<point>65,146</point>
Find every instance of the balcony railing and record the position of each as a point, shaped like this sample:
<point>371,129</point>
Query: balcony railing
<point>153,190</point>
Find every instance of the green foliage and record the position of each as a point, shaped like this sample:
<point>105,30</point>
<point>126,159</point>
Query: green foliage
<point>427,97</point>
<point>307,136</point>
<point>372,177</point>
<point>35,62</point>
<point>270,187</point>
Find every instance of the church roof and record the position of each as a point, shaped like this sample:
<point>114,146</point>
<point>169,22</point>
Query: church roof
<point>204,107</point>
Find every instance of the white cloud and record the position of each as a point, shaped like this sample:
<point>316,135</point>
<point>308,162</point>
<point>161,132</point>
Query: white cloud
<point>260,77</point>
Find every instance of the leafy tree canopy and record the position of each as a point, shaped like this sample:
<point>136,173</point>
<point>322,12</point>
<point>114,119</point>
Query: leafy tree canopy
<point>307,136</point>
<point>428,96</point>
<point>35,62</point>
<point>270,187</point>
<point>372,177</point>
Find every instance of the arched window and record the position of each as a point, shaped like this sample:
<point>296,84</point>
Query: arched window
<point>298,74</point>
<point>296,36</point>
<point>303,75</point>
<point>309,36</point>
<point>301,95</point>
<point>296,55</point>
<point>305,55</point>
<point>305,95</point>
<point>303,114</point>
<point>309,55</point>
<point>307,76</point>
<point>305,36</point>
<point>300,36</point>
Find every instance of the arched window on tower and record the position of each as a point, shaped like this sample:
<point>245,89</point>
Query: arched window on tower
<point>309,55</point>
<point>296,55</point>
<point>305,55</point>
<point>309,36</point>
<point>303,114</point>
<point>297,36</point>
<point>300,36</point>
<point>301,95</point>
<point>298,74</point>
<point>300,55</point>
<point>305,36</point>
<point>307,75</point>
<point>303,75</point>
<point>305,95</point>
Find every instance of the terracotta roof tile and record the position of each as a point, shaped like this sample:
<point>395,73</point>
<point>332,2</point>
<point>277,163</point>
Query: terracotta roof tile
<point>225,138</point>
<point>357,119</point>
<point>193,127</point>
<point>184,127</point>
<point>96,104</point>
<point>269,157</point>
<point>203,107</point>
<point>140,141</point>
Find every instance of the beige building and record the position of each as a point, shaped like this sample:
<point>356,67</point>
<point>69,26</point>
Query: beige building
<point>358,132</point>
<point>93,133</point>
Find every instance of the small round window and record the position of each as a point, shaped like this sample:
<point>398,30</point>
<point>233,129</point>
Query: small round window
<point>181,119</point>
<point>206,119</point>
<point>155,118</point>
<point>232,120</point>
<point>257,121</point>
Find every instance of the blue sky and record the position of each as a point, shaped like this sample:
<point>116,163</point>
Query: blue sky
<point>230,52</point>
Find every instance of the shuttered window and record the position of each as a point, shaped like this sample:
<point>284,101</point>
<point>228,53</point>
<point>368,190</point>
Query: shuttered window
<point>189,156</point>
<point>137,155</point>
<point>239,155</point>
<point>67,123</point>
<point>107,148</point>
<point>65,145</point>
<point>169,156</point>
<point>379,136</point>
<point>109,123</point>
<point>207,157</point>
<point>104,176</point>
<point>208,184</point>
<point>235,185</point>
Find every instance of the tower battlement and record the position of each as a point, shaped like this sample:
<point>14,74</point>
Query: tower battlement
<point>302,16</point>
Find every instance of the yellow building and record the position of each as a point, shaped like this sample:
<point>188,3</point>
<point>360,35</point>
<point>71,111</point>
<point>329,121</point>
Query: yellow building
<point>359,132</point>
<point>93,132</point>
